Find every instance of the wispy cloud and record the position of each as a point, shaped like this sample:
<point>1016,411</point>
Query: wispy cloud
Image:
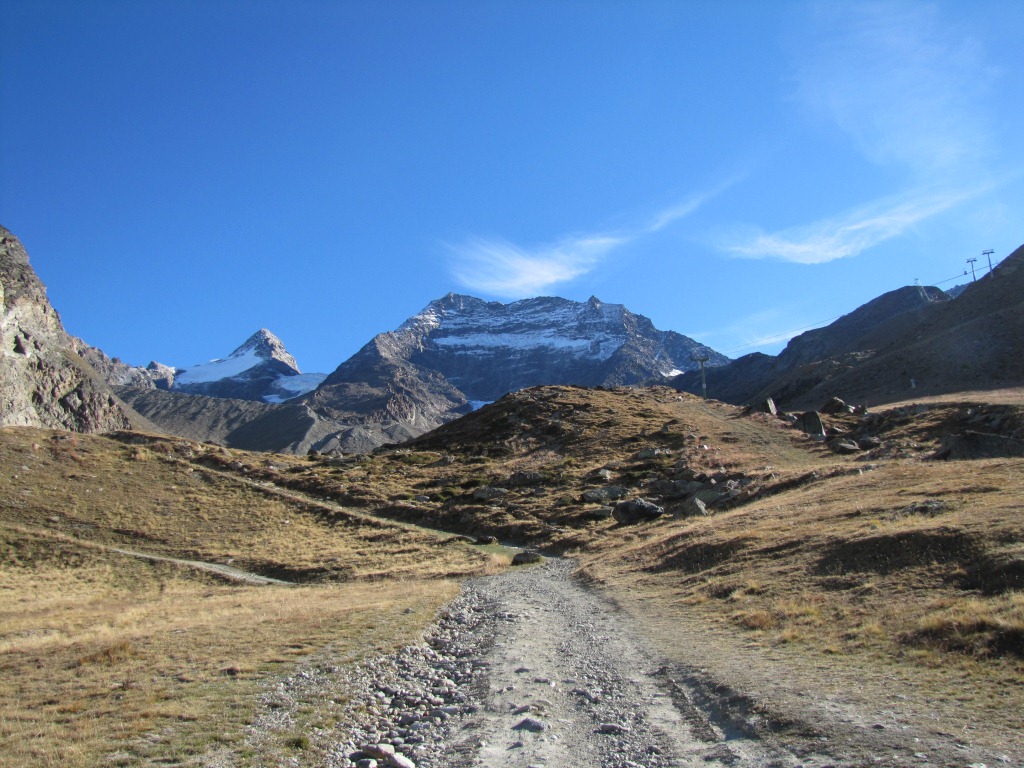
<point>504,269</point>
<point>910,92</point>
<point>500,268</point>
<point>850,233</point>
<point>681,210</point>
<point>906,87</point>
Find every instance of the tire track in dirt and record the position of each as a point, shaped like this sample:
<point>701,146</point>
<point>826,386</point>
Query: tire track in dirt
<point>570,683</point>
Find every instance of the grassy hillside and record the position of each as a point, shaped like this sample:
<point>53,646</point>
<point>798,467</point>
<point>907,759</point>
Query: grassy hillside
<point>801,523</point>
<point>886,564</point>
<point>109,656</point>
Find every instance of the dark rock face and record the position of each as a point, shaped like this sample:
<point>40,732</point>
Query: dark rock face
<point>836,338</point>
<point>43,380</point>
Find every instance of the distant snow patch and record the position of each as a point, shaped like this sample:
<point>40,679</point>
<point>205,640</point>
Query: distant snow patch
<point>215,370</point>
<point>287,387</point>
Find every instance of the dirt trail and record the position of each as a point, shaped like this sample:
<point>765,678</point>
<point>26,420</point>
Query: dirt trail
<point>571,684</point>
<point>530,668</point>
<point>225,571</point>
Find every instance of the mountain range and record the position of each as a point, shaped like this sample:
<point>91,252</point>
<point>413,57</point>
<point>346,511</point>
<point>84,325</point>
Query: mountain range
<point>461,352</point>
<point>458,353</point>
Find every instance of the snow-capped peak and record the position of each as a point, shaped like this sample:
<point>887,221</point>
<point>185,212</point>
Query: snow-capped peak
<point>266,346</point>
<point>262,347</point>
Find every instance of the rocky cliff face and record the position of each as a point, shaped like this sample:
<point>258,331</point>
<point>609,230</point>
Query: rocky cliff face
<point>43,381</point>
<point>115,372</point>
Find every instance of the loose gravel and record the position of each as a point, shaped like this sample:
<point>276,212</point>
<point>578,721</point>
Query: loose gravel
<point>525,669</point>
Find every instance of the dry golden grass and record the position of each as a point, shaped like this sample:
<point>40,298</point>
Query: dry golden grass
<point>123,660</point>
<point>874,567</point>
<point>885,564</point>
<point>161,498</point>
<point>109,658</point>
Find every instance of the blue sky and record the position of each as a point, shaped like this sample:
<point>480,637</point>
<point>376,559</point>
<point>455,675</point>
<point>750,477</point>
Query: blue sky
<point>184,173</point>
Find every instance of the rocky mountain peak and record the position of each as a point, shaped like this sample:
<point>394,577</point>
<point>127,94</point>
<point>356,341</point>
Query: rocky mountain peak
<point>260,369</point>
<point>266,346</point>
<point>487,348</point>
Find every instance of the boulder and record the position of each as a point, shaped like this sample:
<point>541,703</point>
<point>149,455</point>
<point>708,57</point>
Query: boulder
<point>526,557</point>
<point>766,406</point>
<point>834,405</point>
<point>867,443</point>
<point>810,423</point>
<point>843,446</point>
<point>520,479</point>
<point>693,507</point>
<point>634,511</point>
<point>486,540</point>
<point>489,493</point>
<point>604,495</point>
<point>673,489</point>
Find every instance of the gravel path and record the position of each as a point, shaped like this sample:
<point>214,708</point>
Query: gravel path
<point>531,669</point>
<point>525,669</point>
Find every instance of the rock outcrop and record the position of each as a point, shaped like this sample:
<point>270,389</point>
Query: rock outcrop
<point>44,382</point>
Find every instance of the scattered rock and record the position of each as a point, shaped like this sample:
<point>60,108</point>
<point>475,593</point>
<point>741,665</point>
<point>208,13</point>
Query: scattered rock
<point>526,557</point>
<point>843,446</point>
<point>810,423</point>
<point>693,507</point>
<point>612,728</point>
<point>634,511</point>
<point>489,493</point>
<point>378,751</point>
<point>519,479</point>
<point>835,405</point>
<point>650,453</point>
<point>604,495</point>
<point>530,724</point>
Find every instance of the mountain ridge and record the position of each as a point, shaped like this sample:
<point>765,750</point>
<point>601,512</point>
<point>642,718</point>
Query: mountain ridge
<point>44,382</point>
<point>912,341</point>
